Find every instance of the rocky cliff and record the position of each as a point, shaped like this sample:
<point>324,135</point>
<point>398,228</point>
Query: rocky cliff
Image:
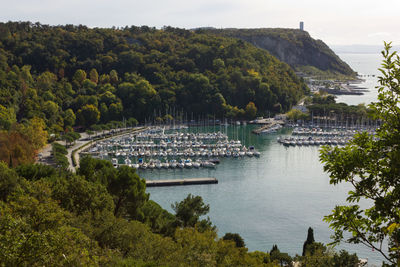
<point>295,47</point>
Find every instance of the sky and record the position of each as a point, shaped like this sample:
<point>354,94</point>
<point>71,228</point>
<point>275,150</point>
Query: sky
<point>338,22</point>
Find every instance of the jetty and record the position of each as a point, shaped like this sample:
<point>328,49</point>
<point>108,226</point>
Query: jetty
<point>272,127</point>
<point>186,181</point>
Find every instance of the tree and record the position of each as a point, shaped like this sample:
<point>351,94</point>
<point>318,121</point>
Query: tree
<point>129,193</point>
<point>7,117</point>
<point>251,110</point>
<point>16,148</point>
<point>79,76</point>
<point>78,195</point>
<point>51,110</point>
<point>94,76</point>
<point>113,76</point>
<point>69,118</point>
<point>282,258</point>
<point>295,114</point>
<point>71,137</point>
<point>34,232</point>
<point>35,132</point>
<point>345,259</point>
<point>239,242</point>
<point>371,163</point>
<point>309,241</point>
<point>9,181</point>
<point>88,115</point>
<point>189,210</point>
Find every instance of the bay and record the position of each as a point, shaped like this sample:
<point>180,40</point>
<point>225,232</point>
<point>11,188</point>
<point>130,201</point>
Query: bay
<point>272,199</point>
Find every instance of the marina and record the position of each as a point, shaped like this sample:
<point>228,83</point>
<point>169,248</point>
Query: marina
<point>158,148</point>
<point>319,136</point>
<point>276,196</point>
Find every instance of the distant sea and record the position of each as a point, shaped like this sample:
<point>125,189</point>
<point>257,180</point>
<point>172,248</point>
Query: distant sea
<point>367,66</point>
<point>275,198</point>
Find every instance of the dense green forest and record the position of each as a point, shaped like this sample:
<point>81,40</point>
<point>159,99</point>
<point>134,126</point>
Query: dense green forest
<point>77,76</point>
<point>102,216</point>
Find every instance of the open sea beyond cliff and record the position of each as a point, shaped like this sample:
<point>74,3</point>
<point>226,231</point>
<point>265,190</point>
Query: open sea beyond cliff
<point>275,198</point>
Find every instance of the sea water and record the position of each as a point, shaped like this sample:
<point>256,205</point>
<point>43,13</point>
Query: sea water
<point>272,199</point>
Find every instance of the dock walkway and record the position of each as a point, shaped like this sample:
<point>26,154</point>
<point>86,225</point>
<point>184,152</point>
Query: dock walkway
<point>185,181</point>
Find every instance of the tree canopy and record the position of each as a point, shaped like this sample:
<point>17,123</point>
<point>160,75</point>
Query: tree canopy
<point>371,163</point>
<point>77,76</point>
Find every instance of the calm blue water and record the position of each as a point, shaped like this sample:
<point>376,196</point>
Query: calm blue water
<point>268,200</point>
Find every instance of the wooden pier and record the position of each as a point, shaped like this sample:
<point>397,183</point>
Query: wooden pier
<point>176,182</point>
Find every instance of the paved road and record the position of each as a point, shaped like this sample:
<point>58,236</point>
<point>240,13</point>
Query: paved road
<point>45,156</point>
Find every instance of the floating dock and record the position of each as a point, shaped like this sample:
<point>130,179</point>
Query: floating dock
<point>176,182</point>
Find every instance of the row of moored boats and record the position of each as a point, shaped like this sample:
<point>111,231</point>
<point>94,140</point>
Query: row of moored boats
<point>157,150</point>
<point>312,141</point>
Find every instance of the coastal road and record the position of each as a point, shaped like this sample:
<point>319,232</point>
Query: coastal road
<point>45,157</point>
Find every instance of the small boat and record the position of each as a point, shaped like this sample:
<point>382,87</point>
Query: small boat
<point>151,165</point>
<point>135,165</point>
<point>181,164</point>
<point>197,164</point>
<point>165,165</point>
<point>158,164</point>
<point>188,164</point>
<point>208,164</point>
<point>143,165</point>
<point>214,160</point>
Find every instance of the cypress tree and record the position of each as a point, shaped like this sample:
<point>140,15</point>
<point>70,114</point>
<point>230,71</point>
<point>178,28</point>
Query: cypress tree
<point>309,241</point>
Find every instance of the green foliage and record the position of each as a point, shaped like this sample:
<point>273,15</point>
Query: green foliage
<point>88,76</point>
<point>371,164</point>
<point>295,114</point>
<point>9,181</point>
<point>310,240</point>
<point>277,256</point>
<point>34,232</point>
<point>77,195</point>
<point>33,172</point>
<point>7,117</point>
<point>88,115</point>
<point>189,210</point>
<point>158,219</point>
<point>59,155</point>
<point>52,217</point>
<point>345,259</point>
<point>69,117</point>
<point>129,193</point>
<point>251,110</point>
<point>239,242</point>
<point>319,98</point>
<point>317,254</point>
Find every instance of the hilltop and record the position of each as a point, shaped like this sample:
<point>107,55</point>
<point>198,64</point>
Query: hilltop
<point>106,74</point>
<point>294,47</point>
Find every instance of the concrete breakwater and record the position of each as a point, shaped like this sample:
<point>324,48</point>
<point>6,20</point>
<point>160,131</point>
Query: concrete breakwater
<point>176,182</point>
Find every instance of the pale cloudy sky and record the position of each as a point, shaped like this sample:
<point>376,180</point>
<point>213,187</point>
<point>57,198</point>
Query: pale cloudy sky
<point>336,22</point>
